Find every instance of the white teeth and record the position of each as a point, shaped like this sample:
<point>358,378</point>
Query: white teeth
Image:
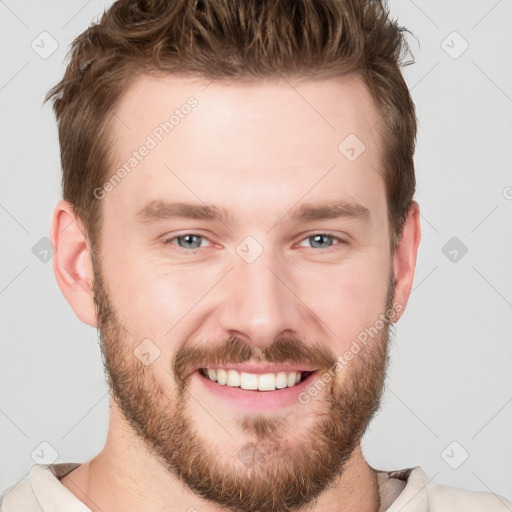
<point>233,378</point>
<point>267,382</point>
<point>248,381</point>
<point>253,381</point>
<point>281,380</point>
<point>222,377</point>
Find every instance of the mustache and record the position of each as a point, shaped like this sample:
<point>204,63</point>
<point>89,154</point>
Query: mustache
<point>234,350</point>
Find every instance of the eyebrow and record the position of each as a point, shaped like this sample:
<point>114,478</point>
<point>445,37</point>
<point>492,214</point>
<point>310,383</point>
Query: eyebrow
<point>307,212</point>
<point>161,210</point>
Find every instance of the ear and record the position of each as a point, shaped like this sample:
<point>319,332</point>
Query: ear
<point>72,262</point>
<point>404,259</point>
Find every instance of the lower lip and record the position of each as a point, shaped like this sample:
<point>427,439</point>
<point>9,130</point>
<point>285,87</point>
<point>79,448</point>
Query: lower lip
<point>256,400</point>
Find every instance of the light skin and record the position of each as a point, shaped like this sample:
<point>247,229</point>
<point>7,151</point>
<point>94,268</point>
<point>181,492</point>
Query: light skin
<point>259,151</point>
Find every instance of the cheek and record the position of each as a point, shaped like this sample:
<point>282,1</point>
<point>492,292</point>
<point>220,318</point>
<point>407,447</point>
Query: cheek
<point>157,300</point>
<point>346,299</point>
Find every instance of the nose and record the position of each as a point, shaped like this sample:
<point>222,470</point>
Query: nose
<point>258,302</point>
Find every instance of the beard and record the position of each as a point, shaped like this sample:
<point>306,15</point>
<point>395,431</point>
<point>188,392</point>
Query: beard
<point>269,474</point>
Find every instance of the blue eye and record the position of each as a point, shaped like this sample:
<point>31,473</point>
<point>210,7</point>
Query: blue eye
<point>189,241</point>
<point>322,240</point>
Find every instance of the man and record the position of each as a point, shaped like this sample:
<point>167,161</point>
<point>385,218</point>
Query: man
<point>238,223</point>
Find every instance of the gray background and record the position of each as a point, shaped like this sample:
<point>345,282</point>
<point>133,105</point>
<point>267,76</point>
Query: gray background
<point>449,390</point>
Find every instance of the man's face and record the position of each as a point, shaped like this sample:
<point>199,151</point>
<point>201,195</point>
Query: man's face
<point>262,296</point>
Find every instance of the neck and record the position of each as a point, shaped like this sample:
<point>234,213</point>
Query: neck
<point>126,476</point>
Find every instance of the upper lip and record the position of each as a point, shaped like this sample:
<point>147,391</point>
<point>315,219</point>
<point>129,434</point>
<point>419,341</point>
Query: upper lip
<point>261,368</point>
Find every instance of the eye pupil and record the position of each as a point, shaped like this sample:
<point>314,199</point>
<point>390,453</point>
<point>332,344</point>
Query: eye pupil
<point>321,240</point>
<point>189,240</point>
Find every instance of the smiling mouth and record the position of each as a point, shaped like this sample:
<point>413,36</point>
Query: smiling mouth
<point>254,381</point>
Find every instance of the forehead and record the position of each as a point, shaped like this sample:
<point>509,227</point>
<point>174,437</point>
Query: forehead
<point>323,107</point>
<point>266,140</point>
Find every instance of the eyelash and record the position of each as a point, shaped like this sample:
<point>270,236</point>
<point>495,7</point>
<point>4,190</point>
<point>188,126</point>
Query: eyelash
<point>194,251</point>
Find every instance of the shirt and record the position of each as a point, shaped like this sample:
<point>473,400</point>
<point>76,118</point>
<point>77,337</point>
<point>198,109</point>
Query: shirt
<point>406,490</point>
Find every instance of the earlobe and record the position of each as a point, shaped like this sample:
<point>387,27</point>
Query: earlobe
<point>72,262</point>
<point>404,259</point>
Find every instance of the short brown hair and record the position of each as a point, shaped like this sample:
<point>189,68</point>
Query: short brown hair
<point>230,40</point>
